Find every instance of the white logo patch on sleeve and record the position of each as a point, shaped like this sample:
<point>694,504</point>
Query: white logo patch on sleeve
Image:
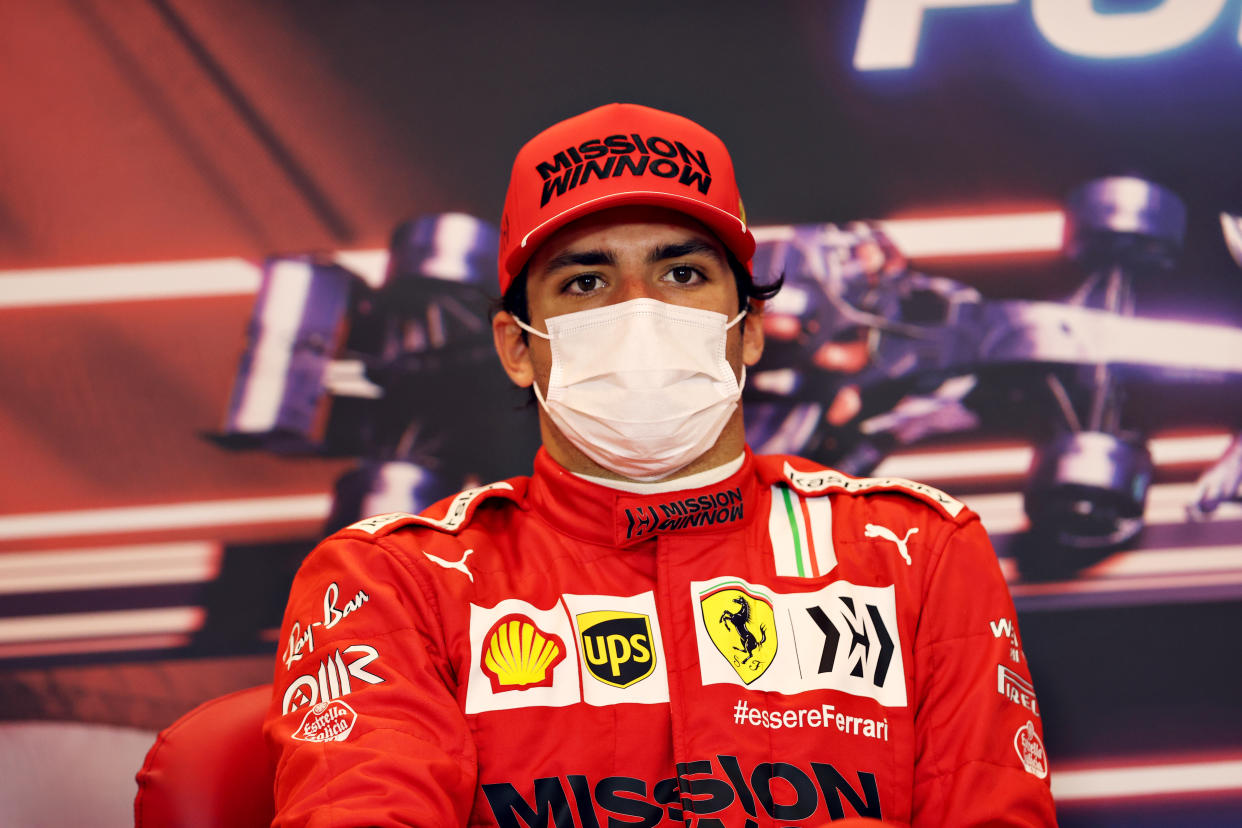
<point>842,637</point>
<point>327,722</point>
<point>335,678</point>
<point>1030,750</point>
<point>801,532</point>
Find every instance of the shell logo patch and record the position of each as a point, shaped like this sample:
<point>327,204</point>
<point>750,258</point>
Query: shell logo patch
<point>517,655</point>
<point>742,625</point>
<point>617,646</point>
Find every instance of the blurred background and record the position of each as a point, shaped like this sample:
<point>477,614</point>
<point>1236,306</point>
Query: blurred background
<point>247,254</point>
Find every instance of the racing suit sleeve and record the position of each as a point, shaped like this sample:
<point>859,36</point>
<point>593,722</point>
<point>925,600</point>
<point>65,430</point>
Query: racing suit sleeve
<point>979,755</point>
<point>364,725</point>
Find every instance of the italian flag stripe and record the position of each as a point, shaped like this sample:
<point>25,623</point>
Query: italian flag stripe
<point>780,531</point>
<point>819,511</point>
<point>797,529</point>
<point>800,529</point>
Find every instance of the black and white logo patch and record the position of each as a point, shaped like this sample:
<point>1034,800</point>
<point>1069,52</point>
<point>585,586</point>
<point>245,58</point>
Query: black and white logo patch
<point>859,651</point>
<point>869,651</point>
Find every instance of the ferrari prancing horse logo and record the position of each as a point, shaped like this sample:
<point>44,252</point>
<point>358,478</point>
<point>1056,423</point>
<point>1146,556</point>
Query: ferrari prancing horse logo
<point>742,625</point>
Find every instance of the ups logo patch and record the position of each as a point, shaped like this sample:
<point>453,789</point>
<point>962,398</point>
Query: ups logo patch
<point>617,646</point>
<point>742,625</point>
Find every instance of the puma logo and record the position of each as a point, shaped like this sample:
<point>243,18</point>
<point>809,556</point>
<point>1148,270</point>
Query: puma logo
<point>873,531</point>
<point>460,566</point>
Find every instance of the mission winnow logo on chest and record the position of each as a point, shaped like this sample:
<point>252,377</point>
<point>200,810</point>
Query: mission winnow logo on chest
<point>618,155</point>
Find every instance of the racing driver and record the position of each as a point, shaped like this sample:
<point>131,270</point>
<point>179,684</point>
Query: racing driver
<point>656,627</point>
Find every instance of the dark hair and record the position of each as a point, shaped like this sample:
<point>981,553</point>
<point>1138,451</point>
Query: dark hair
<point>514,299</point>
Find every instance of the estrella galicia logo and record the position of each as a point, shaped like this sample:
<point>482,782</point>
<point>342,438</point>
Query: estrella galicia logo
<point>742,625</point>
<point>617,646</point>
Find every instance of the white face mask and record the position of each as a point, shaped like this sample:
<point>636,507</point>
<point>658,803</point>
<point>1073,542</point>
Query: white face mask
<point>641,387</point>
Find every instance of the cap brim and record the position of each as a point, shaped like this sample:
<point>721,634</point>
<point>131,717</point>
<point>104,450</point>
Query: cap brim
<point>730,229</point>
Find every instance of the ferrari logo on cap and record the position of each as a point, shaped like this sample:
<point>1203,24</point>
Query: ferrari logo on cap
<point>742,625</point>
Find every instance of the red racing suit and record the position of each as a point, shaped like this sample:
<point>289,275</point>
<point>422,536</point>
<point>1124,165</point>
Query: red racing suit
<point>787,646</point>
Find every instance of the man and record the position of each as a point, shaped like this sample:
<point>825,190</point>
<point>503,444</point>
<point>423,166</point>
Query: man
<point>657,627</point>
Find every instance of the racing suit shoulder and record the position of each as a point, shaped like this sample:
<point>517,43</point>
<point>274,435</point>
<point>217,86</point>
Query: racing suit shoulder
<point>811,479</point>
<point>450,515</point>
<point>365,687</point>
<point>978,725</point>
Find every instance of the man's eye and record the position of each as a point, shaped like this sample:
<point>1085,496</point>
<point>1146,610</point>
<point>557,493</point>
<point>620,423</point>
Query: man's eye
<point>586,283</point>
<point>685,275</point>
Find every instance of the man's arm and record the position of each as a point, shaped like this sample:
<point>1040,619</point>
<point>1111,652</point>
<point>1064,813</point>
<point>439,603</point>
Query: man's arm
<point>979,755</point>
<point>364,723</point>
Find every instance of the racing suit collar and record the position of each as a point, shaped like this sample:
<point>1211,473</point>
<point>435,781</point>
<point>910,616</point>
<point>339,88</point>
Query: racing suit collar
<point>603,515</point>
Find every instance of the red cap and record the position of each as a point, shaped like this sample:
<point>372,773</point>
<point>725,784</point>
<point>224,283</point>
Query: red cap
<point>616,155</point>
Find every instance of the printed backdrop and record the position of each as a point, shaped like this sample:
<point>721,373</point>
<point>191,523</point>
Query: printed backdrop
<point>247,257</point>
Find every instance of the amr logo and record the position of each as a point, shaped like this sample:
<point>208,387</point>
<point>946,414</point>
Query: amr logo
<point>873,531</point>
<point>739,619</point>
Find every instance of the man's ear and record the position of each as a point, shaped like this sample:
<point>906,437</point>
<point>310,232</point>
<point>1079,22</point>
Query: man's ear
<point>752,334</point>
<point>512,350</point>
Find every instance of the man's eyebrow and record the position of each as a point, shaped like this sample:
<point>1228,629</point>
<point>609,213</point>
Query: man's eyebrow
<point>580,258</point>
<point>686,248</point>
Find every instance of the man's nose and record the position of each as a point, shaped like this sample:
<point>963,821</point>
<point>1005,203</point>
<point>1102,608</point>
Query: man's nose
<point>634,286</point>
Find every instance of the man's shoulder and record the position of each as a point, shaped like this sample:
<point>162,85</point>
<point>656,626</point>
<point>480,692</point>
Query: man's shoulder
<point>811,479</point>
<point>448,516</point>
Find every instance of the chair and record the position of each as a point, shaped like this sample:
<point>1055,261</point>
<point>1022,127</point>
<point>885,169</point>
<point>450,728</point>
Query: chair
<point>210,768</point>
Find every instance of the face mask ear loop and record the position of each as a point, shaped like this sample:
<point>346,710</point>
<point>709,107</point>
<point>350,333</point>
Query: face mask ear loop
<point>531,330</point>
<point>741,383</point>
<point>534,386</point>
